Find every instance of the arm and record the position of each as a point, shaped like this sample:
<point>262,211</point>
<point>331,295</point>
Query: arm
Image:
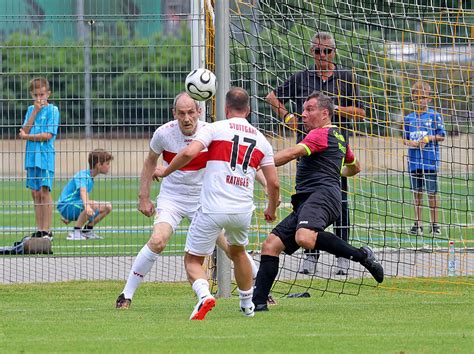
<point>145,206</point>
<point>279,108</point>
<point>261,179</point>
<point>31,119</point>
<point>35,137</point>
<point>273,190</point>
<point>351,169</point>
<point>183,158</point>
<point>284,156</point>
<point>85,201</point>
<point>351,112</point>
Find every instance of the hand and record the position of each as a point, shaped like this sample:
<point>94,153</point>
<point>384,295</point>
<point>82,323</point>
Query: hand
<point>422,143</point>
<point>156,175</point>
<point>39,104</point>
<point>22,134</point>
<point>146,207</point>
<point>89,210</point>
<point>270,215</point>
<point>159,172</point>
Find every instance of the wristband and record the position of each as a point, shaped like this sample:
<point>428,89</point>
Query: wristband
<point>288,117</point>
<point>426,139</point>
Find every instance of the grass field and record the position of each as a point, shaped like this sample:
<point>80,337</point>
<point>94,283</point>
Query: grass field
<point>382,214</point>
<point>420,316</point>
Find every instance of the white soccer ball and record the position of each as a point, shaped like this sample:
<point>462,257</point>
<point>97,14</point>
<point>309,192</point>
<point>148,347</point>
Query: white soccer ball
<point>201,84</point>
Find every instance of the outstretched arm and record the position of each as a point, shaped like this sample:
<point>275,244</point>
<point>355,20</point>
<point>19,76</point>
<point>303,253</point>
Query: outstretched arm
<point>183,158</point>
<point>284,156</point>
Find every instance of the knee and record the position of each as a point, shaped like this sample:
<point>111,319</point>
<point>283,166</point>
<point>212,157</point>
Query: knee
<point>306,238</point>
<point>272,246</point>
<point>236,251</point>
<point>157,243</point>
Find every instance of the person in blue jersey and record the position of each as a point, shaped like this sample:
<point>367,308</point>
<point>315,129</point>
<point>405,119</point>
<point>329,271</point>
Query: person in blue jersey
<point>324,156</point>
<point>39,129</point>
<point>423,131</point>
<point>74,203</point>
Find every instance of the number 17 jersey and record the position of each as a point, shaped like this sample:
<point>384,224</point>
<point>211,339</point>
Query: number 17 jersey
<point>235,150</point>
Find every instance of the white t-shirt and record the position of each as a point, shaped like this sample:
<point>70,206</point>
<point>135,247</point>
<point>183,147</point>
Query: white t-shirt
<point>186,182</point>
<point>235,150</point>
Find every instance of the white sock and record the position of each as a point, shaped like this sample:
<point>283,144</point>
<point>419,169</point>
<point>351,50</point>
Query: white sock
<point>201,288</point>
<point>140,267</point>
<point>253,265</point>
<point>246,297</point>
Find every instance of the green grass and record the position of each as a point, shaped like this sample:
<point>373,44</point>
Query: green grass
<point>404,316</point>
<point>382,213</point>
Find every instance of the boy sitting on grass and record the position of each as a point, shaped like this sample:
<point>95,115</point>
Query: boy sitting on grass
<point>74,203</point>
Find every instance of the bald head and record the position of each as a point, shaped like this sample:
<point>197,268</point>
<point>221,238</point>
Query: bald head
<point>237,103</point>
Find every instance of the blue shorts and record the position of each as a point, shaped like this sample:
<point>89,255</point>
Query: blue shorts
<point>424,180</point>
<point>71,211</point>
<point>37,178</point>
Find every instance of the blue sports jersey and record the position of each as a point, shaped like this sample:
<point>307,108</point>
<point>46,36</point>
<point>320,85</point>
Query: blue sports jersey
<point>41,154</point>
<point>71,194</point>
<point>416,127</point>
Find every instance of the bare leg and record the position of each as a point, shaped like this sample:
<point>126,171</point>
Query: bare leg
<point>46,207</point>
<point>418,199</point>
<point>242,267</point>
<point>433,204</point>
<point>104,210</point>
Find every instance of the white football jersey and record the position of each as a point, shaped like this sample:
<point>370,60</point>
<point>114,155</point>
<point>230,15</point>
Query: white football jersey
<point>169,140</point>
<point>235,150</point>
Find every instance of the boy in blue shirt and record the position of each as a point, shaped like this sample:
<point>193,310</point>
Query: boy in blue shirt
<point>74,202</point>
<point>39,129</point>
<point>423,129</point>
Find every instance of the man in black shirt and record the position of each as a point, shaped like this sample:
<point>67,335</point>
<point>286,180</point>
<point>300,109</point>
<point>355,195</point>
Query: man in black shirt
<point>336,82</point>
<point>324,156</point>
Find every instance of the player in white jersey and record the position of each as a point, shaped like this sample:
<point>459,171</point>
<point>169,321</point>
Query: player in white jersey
<point>179,193</point>
<point>235,151</point>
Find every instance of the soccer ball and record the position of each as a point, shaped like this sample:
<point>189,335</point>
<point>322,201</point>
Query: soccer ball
<point>201,84</point>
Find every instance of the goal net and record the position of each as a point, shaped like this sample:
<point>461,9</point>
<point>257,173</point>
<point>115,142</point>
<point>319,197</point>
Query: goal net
<point>388,46</point>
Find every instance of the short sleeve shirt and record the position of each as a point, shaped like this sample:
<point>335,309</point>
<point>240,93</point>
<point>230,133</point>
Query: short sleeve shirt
<point>41,154</point>
<point>235,150</point>
<point>341,86</point>
<point>71,193</point>
<point>416,127</point>
<point>186,182</point>
<point>327,151</point>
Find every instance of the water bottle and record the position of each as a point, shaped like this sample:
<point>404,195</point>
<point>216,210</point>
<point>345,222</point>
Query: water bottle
<point>451,260</point>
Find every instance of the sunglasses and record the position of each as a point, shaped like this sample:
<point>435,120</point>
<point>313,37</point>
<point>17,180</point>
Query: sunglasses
<point>326,51</point>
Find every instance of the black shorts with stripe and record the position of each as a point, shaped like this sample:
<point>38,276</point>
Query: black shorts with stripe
<point>314,211</point>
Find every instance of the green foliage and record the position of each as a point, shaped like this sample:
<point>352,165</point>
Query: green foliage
<point>133,81</point>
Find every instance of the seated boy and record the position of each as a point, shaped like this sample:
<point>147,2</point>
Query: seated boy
<point>74,202</point>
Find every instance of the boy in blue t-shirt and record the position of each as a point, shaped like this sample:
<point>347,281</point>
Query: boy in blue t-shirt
<point>423,129</point>
<point>39,129</point>
<point>74,202</point>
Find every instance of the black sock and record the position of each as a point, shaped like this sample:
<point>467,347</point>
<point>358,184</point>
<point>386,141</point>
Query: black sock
<point>76,228</point>
<point>329,242</point>
<point>88,228</point>
<point>267,273</point>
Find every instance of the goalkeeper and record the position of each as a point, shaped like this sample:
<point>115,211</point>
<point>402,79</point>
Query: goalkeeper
<point>317,201</point>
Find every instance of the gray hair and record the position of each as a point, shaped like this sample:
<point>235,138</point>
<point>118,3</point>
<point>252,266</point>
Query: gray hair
<point>324,101</point>
<point>322,36</point>
<point>181,94</point>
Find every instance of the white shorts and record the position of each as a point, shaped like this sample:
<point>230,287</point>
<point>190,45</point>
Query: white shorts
<point>172,211</point>
<point>205,228</point>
